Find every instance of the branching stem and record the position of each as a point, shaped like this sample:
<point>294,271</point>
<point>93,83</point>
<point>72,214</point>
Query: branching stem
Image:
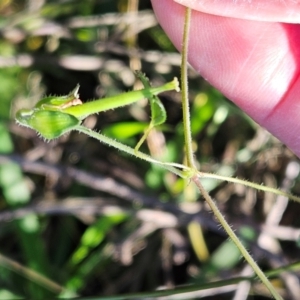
<point>177,169</point>
<point>253,185</point>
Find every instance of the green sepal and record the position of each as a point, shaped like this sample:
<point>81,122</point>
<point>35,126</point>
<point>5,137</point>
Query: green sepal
<point>59,102</point>
<point>49,124</point>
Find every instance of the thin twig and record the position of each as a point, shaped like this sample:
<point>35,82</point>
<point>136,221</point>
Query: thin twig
<point>185,94</point>
<point>236,240</point>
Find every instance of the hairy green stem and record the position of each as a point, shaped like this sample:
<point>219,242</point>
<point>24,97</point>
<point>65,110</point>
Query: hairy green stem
<point>184,94</point>
<point>172,167</point>
<point>96,106</point>
<point>250,184</point>
<point>235,239</point>
<point>32,275</point>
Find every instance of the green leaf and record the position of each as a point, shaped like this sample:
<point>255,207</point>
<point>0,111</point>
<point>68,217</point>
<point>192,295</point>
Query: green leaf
<point>158,112</point>
<point>226,256</point>
<point>14,187</point>
<point>125,130</point>
<point>6,145</point>
<point>94,235</point>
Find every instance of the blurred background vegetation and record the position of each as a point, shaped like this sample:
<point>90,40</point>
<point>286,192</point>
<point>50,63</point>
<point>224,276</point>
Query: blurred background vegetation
<point>81,219</point>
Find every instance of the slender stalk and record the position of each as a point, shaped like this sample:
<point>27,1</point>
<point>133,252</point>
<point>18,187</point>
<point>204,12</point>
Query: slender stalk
<point>184,87</point>
<point>250,184</point>
<point>172,167</point>
<point>32,275</point>
<point>96,106</point>
<point>235,239</point>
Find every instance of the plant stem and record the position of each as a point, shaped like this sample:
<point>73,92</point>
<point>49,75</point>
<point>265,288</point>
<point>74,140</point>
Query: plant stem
<point>172,167</point>
<point>235,239</point>
<point>184,94</point>
<point>250,184</point>
<point>99,105</point>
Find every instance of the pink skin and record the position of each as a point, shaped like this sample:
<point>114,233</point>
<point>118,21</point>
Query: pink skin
<point>243,50</point>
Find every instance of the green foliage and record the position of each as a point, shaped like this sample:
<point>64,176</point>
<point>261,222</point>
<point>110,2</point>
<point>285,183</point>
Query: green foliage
<point>6,145</point>
<point>125,130</point>
<point>82,219</point>
<point>8,89</point>
<point>15,190</point>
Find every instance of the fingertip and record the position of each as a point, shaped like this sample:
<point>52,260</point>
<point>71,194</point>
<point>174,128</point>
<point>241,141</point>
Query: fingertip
<point>287,11</point>
<point>170,16</point>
